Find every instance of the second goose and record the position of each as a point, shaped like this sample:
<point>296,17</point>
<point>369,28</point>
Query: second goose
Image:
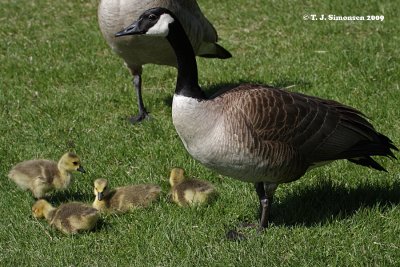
<point>258,134</point>
<point>138,51</point>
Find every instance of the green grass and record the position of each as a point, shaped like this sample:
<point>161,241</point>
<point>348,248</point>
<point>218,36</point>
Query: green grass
<point>61,88</point>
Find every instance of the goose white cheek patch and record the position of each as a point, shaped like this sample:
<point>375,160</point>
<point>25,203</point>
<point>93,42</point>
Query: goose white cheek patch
<point>161,27</point>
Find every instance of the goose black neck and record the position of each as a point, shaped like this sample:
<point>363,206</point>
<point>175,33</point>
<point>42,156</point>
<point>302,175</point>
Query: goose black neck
<point>187,82</point>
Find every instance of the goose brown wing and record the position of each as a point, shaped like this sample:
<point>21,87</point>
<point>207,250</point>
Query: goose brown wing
<point>318,129</point>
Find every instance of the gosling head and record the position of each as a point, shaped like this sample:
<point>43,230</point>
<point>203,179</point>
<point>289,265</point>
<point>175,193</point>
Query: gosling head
<point>39,207</point>
<point>100,188</point>
<point>155,21</point>
<point>71,162</point>
<point>177,176</point>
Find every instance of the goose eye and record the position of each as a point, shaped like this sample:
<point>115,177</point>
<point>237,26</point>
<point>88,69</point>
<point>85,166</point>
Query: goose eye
<point>75,163</point>
<point>152,17</point>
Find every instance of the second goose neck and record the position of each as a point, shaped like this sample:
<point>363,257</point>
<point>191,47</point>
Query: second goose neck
<point>187,81</point>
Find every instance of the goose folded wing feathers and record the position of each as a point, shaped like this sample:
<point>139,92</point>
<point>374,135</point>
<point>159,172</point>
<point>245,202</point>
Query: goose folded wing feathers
<point>203,35</point>
<point>201,27</point>
<point>320,130</point>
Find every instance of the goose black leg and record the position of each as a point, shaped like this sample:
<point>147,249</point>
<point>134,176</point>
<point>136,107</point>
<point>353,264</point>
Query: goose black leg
<point>265,204</point>
<point>143,114</point>
<point>265,192</point>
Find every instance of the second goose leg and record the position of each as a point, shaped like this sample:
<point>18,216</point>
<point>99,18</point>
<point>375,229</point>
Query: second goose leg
<point>143,114</point>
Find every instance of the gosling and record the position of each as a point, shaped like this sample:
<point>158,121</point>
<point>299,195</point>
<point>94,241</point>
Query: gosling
<point>123,199</point>
<point>69,218</point>
<point>189,192</point>
<point>41,176</point>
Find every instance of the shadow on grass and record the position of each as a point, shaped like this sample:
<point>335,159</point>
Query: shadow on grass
<point>53,233</point>
<point>59,197</point>
<point>327,202</point>
<point>101,225</point>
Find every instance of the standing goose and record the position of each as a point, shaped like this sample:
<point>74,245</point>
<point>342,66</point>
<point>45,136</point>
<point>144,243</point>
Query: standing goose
<point>138,51</point>
<point>255,133</point>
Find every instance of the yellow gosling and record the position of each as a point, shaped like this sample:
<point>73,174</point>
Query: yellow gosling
<point>123,199</point>
<point>69,218</point>
<point>41,176</point>
<point>188,192</point>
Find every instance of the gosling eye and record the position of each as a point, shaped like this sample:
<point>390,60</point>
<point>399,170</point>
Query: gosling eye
<point>75,163</point>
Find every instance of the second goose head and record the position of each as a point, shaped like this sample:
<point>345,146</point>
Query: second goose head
<point>162,22</point>
<point>154,21</point>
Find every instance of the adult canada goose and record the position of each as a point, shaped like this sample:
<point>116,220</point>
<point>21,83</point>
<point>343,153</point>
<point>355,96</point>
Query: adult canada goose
<point>189,191</point>
<point>255,133</point>
<point>41,175</point>
<point>123,199</point>
<point>69,218</point>
<point>138,51</point>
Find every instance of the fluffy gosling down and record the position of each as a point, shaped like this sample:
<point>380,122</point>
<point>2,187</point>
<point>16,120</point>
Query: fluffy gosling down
<point>123,199</point>
<point>188,192</point>
<point>69,218</point>
<point>41,176</point>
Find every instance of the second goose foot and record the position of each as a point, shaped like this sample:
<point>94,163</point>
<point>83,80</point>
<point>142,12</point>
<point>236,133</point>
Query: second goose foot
<point>139,118</point>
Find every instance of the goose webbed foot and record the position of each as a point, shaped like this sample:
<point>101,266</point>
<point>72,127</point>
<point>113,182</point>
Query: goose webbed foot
<point>238,234</point>
<point>265,194</point>
<point>143,114</point>
<point>140,117</point>
<point>235,235</point>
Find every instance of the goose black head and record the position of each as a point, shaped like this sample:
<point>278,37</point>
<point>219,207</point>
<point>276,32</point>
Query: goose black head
<point>154,21</point>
